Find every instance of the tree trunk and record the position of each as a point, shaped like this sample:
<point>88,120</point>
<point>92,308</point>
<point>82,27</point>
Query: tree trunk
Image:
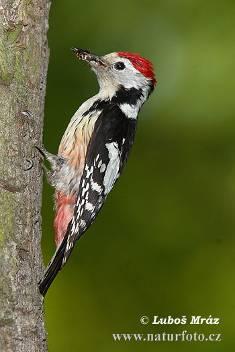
<point>23,67</point>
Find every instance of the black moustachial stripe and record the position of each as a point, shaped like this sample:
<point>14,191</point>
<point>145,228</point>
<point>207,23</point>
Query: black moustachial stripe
<point>127,96</point>
<point>123,96</point>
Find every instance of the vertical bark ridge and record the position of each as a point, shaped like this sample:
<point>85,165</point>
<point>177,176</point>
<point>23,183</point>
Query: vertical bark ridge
<point>23,68</point>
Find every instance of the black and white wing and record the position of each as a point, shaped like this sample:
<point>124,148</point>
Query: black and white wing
<point>107,152</point>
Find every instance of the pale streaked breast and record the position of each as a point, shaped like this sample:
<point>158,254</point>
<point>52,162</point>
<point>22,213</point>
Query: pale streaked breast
<point>73,148</point>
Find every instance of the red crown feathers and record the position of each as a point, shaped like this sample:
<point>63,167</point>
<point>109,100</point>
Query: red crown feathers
<point>141,64</point>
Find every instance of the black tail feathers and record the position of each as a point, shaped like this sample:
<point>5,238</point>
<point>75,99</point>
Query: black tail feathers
<point>53,268</point>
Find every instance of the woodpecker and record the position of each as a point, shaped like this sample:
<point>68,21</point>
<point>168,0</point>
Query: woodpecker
<point>95,148</point>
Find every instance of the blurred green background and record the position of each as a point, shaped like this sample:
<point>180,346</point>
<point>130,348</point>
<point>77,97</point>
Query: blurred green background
<point>164,242</point>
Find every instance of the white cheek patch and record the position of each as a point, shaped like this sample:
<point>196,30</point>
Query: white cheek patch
<point>112,170</point>
<point>130,77</point>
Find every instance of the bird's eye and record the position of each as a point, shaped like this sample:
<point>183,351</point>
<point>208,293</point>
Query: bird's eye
<point>119,66</point>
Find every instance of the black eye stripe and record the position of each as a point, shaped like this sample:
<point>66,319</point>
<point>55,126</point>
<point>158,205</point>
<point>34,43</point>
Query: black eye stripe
<point>119,65</point>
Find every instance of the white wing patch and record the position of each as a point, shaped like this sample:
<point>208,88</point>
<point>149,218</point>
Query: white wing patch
<point>131,111</point>
<point>102,168</point>
<point>95,186</point>
<point>112,169</point>
<point>89,206</point>
<point>81,219</point>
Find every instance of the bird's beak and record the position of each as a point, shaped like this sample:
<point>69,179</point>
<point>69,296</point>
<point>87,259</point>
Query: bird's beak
<point>87,56</point>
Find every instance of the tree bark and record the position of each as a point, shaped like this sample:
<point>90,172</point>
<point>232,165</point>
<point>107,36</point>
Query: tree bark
<point>23,68</point>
